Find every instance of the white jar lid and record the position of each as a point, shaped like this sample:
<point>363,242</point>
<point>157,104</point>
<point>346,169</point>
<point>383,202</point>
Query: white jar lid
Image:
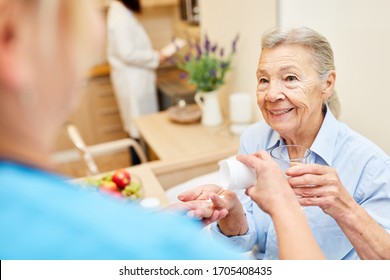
<point>150,202</point>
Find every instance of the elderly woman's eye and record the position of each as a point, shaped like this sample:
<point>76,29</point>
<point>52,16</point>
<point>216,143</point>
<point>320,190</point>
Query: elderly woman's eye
<point>263,81</point>
<point>291,78</point>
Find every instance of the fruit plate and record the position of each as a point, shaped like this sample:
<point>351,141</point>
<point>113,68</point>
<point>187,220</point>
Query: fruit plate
<point>184,115</point>
<point>117,185</point>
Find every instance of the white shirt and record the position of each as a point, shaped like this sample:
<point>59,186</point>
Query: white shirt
<point>133,62</point>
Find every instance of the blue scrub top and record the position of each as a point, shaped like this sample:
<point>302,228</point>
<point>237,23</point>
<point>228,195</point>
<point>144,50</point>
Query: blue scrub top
<point>43,217</point>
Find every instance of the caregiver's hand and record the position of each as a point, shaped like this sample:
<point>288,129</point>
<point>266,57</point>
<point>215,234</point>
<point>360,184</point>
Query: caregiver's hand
<point>230,214</point>
<point>271,189</point>
<point>319,185</point>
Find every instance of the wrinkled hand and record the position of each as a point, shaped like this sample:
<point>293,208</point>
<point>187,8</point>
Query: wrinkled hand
<point>319,185</point>
<point>223,206</point>
<point>206,210</point>
<point>272,188</point>
<point>209,203</point>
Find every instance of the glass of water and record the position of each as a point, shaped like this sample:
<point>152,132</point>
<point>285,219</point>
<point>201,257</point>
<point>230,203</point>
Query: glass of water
<point>289,155</point>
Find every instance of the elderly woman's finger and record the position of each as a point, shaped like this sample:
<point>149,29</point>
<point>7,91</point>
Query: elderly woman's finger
<point>201,192</point>
<point>194,194</point>
<point>309,201</point>
<point>176,207</point>
<point>301,169</point>
<point>189,195</point>
<point>217,215</point>
<point>320,201</point>
<point>218,201</point>
<point>204,212</point>
<point>308,180</point>
<point>192,215</point>
<point>316,191</point>
<point>188,206</point>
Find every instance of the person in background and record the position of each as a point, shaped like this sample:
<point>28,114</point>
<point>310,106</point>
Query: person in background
<point>133,63</point>
<point>45,48</point>
<point>345,192</point>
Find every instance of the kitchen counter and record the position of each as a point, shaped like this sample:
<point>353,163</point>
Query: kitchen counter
<point>104,69</point>
<point>99,71</point>
<point>171,140</point>
<point>170,86</point>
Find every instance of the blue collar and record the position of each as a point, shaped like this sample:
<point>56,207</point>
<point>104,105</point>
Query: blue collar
<point>274,141</point>
<point>323,144</point>
<point>326,138</point>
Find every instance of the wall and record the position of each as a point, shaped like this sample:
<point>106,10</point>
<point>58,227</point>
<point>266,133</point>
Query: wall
<point>359,32</point>
<point>159,23</point>
<point>221,20</point>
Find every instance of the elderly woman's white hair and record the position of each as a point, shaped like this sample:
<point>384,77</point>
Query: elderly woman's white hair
<point>322,52</point>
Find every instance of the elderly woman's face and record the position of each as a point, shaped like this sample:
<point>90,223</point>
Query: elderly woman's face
<point>289,90</point>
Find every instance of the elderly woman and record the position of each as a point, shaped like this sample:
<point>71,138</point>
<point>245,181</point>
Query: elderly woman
<point>346,192</point>
<point>43,49</point>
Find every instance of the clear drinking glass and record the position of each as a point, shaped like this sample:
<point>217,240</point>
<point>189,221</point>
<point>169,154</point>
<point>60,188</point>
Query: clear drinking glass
<point>282,155</point>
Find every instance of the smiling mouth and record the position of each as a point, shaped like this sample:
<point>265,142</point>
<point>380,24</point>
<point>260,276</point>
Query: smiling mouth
<point>280,111</point>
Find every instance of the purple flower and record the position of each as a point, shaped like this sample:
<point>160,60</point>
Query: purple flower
<point>204,63</point>
<point>234,44</point>
<point>207,43</point>
<point>198,51</point>
<point>183,75</point>
<point>214,48</point>
<point>222,52</point>
<point>224,65</point>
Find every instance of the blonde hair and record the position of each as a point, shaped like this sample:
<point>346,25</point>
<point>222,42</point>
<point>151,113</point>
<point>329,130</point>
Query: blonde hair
<point>321,51</point>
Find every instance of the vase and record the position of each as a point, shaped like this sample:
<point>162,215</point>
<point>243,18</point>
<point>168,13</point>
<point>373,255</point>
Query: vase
<point>210,108</point>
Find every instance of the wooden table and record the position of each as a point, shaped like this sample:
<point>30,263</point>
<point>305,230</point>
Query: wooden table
<point>152,186</point>
<point>170,140</point>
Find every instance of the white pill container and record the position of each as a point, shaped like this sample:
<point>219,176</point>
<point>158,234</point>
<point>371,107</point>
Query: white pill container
<point>236,175</point>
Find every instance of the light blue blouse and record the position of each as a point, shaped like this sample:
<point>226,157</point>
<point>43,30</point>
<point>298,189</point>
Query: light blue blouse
<point>363,168</point>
